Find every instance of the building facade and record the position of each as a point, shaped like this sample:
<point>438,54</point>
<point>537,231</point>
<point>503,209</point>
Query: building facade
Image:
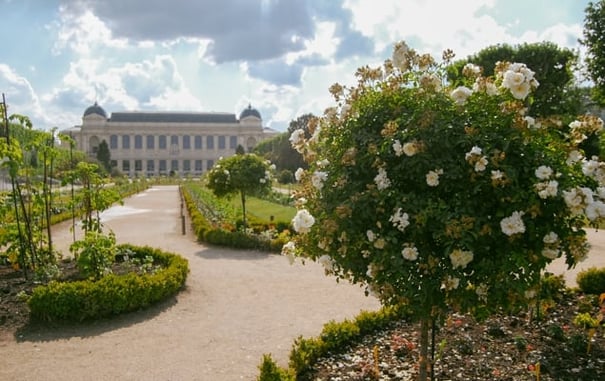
<point>168,143</point>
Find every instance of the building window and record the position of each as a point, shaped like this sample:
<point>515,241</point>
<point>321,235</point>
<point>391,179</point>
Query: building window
<point>197,141</point>
<point>221,142</point>
<point>113,163</point>
<point>209,142</point>
<point>113,142</point>
<point>150,142</point>
<point>126,166</point>
<point>138,165</point>
<point>174,165</point>
<point>162,166</point>
<point>174,140</point>
<point>209,164</point>
<point>125,141</point>
<point>162,142</point>
<point>138,142</point>
<point>150,166</point>
<point>233,142</point>
<point>186,142</point>
<point>198,166</point>
<point>186,165</point>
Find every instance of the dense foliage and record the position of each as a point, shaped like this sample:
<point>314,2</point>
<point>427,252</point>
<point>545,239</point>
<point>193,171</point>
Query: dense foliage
<point>594,41</point>
<point>444,197</point>
<point>279,151</point>
<point>553,66</point>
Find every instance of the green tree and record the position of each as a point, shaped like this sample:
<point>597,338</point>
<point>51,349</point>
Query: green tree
<point>246,174</point>
<point>240,150</point>
<point>95,252</point>
<point>279,151</point>
<point>104,156</point>
<point>553,67</point>
<point>29,157</point>
<point>594,41</point>
<point>443,198</point>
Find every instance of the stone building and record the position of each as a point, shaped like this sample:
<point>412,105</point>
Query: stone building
<point>168,143</point>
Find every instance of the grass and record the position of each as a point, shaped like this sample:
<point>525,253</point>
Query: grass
<point>263,210</point>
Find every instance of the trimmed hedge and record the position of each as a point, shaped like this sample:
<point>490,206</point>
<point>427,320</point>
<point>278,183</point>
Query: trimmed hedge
<point>112,294</point>
<point>206,231</point>
<point>334,338</point>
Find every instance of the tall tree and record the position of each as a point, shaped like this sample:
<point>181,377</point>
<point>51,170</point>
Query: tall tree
<point>553,67</point>
<point>246,174</point>
<point>279,151</point>
<point>104,156</point>
<point>594,41</point>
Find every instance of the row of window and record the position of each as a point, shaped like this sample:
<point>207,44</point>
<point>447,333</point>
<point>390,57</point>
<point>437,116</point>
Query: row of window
<point>162,141</point>
<point>162,165</point>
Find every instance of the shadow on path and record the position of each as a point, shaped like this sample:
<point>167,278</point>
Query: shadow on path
<point>218,253</point>
<point>46,332</point>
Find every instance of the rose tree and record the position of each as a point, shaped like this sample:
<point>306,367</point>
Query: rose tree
<point>444,198</point>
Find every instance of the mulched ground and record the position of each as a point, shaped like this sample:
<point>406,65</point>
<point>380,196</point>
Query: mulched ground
<point>511,348</point>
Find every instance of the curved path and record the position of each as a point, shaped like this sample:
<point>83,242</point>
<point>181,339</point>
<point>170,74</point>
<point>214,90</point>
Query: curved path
<point>237,305</point>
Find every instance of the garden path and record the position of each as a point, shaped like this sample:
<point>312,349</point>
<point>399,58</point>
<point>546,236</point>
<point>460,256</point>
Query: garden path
<point>237,305</point>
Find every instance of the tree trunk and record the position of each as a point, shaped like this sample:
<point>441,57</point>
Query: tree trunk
<point>243,196</point>
<point>423,363</point>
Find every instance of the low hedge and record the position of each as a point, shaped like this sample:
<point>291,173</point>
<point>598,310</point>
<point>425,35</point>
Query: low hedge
<point>205,231</point>
<point>112,294</point>
<point>334,338</point>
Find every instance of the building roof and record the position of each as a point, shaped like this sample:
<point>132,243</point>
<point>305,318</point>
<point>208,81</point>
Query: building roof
<point>172,117</point>
<point>249,112</point>
<point>95,109</point>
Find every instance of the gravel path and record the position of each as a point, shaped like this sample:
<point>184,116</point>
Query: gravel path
<point>237,305</point>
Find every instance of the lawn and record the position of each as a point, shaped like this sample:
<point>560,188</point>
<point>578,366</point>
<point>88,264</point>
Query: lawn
<point>263,209</point>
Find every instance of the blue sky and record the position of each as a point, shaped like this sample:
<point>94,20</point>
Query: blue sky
<point>60,56</point>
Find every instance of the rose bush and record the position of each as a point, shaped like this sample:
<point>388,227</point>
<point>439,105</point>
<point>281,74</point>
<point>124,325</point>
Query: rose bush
<point>444,198</point>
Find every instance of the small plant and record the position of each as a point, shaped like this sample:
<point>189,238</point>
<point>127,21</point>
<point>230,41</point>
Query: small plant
<point>401,346</point>
<point>521,343</point>
<point>270,371</point>
<point>590,324</point>
<point>556,332</point>
<point>552,287</point>
<point>95,253</point>
<point>592,281</point>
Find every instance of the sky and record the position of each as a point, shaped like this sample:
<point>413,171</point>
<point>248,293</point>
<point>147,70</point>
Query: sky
<point>58,57</point>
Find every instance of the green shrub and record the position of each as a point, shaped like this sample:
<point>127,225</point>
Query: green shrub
<point>552,287</point>
<point>270,371</point>
<point>336,337</point>
<point>592,281</point>
<point>112,294</point>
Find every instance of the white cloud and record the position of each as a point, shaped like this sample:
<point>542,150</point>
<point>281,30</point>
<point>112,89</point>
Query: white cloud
<point>80,32</point>
<point>19,94</point>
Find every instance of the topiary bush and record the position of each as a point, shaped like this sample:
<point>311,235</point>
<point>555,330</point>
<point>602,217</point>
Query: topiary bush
<point>112,294</point>
<point>592,280</point>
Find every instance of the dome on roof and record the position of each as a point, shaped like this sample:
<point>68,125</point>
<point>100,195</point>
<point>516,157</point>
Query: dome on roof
<point>250,112</point>
<point>95,109</point>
